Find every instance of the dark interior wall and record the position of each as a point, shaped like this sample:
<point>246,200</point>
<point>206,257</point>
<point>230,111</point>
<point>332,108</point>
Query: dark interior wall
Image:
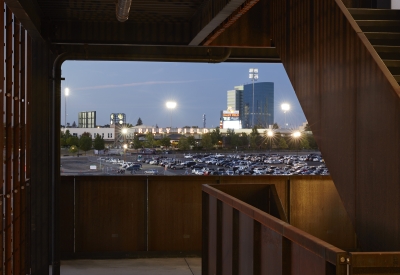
<point>41,60</point>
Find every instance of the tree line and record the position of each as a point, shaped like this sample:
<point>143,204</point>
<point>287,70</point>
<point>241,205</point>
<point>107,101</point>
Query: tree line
<point>84,142</point>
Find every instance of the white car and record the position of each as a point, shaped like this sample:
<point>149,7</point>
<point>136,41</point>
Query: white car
<point>188,156</point>
<point>151,172</point>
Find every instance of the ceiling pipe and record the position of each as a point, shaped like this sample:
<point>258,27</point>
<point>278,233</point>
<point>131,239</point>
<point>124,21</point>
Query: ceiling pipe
<point>122,10</point>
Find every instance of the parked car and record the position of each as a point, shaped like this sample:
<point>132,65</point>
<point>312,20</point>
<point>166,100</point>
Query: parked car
<point>151,172</point>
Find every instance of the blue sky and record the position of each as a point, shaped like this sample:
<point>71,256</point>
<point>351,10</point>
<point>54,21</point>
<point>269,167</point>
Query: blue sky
<point>141,89</point>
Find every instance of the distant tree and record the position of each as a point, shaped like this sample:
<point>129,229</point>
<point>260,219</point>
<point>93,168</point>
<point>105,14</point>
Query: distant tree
<point>165,141</point>
<point>139,122</point>
<point>255,138</point>
<point>304,143</point>
<point>98,143</point>
<point>243,140</point>
<point>311,141</point>
<point>149,140</point>
<point>307,128</point>
<point>85,142</point>
<point>206,141</point>
<point>73,140</point>
<point>275,126</point>
<point>136,142</point>
<point>282,143</point>
<point>128,125</point>
<point>183,143</point>
<point>73,125</point>
<point>191,140</point>
<point>216,136</point>
<point>156,125</point>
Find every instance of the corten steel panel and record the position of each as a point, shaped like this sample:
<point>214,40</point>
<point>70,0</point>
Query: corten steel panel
<point>227,239</point>
<point>279,182</point>
<point>110,215</point>
<point>23,154</point>
<point>271,251</point>
<point>9,145</point>
<point>317,209</point>
<point>340,86</point>
<point>175,217</point>
<point>2,141</point>
<point>40,162</point>
<point>303,261</point>
<point>212,236</point>
<point>369,263</point>
<point>253,194</point>
<point>16,202</point>
<point>67,220</point>
<point>238,33</point>
<point>246,245</point>
<point>116,33</point>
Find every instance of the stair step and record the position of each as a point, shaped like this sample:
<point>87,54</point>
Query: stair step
<point>393,66</point>
<point>374,14</point>
<point>379,25</point>
<point>388,52</point>
<point>383,38</point>
<point>397,77</point>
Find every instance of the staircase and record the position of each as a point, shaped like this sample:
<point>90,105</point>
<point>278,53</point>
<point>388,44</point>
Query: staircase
<point>382,28</point>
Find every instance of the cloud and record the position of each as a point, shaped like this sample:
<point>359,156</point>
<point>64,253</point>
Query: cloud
<point>147,83</point>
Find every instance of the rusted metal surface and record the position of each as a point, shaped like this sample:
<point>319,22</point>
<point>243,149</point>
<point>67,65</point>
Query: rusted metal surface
<point>301,253</point>
<point>374,263</point>
<point>40,160</point>
<point>9,146</point>
<point>112,213</point>
<point>246,244</point>
<point>320,212</point>
<point>212,236</point>
<point>16,189</point>
<point>227,239</point>
<point>329,66</point>
<point>22,162</point>
<point>2,141</point>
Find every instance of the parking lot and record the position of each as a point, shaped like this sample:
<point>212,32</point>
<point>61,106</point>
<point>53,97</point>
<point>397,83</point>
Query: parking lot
<point>233,164</point>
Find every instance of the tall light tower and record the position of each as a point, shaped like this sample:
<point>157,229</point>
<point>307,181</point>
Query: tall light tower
<point>171,105</point>
<point>66,93</point>
<point>285,107</point>
<point>253,75</point>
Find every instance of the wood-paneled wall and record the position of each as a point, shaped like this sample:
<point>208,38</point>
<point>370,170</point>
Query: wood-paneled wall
<point>352,110</point>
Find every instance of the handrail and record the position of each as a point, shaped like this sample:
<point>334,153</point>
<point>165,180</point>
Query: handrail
<point>323,249</point>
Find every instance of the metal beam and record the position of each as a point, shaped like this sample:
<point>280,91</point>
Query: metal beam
<point>210,16</point>
<point>169,53</point>
<point>27,13</point>
<point>97,32</point>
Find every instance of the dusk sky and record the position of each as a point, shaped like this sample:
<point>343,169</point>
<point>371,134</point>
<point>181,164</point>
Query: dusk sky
<point>141,89</point>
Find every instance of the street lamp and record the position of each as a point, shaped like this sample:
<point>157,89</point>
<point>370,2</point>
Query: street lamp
<point>171,105</point>
<point>253,75</point>
<point>124,131</point>
<point>270,135</point>
<point>66,93</point>
<point>285,107</point>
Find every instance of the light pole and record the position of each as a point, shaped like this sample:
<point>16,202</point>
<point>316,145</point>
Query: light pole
<point>171,105</point>
<point>66,93</point>
<point>253,75</point>
<point>285,107</point>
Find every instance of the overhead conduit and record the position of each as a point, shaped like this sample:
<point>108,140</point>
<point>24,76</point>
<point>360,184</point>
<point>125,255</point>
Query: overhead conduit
<point>122,10</point>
